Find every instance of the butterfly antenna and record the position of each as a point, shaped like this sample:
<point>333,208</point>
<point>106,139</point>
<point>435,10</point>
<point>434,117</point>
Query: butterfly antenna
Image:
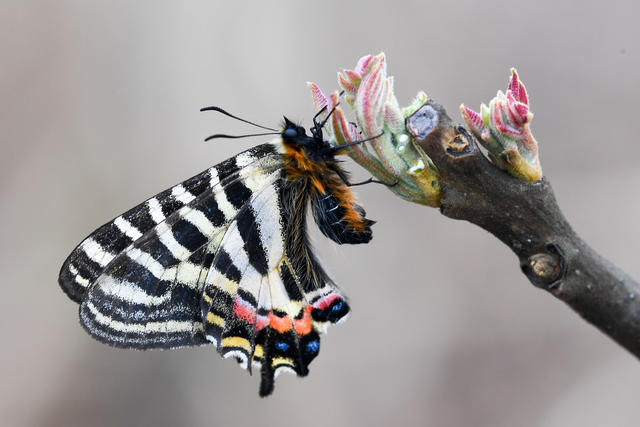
<point>221,135</point>
<point>226,113</point>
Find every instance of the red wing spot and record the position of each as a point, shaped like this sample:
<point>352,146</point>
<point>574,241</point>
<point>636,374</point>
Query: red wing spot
<point>244,311</point>
<point>261,322</point>
<point>326,301</point>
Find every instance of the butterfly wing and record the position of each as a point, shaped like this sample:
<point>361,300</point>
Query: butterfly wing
<point>266,299</point>
<point>139,277</point>
<point>222,258</point>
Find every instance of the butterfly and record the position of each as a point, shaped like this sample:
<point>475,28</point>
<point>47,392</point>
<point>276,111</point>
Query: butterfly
<point>223,258</point>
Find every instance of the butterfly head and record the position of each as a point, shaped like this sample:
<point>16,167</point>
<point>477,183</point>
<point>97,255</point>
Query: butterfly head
<point>292,131</point>
<point>313,145</point>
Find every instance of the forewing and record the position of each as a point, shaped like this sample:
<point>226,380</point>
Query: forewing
<point>147,295</point>
<point>90,258</point>
<point>256,304</point>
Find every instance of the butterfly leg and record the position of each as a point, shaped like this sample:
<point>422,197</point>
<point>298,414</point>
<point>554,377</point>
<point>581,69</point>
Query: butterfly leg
<point>345,179</point>
<point>373,181</point>
<point>320,125</point>
<point>315,118</point>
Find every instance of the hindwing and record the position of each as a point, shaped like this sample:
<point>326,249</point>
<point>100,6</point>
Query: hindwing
<point>257,305</point>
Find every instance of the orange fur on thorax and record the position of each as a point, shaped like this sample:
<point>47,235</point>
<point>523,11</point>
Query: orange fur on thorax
<point>299,165</point>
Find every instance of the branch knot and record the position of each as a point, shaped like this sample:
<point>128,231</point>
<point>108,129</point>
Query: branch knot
<point>545,269</point>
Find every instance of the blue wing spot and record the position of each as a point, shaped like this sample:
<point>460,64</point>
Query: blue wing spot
<point>282,346</point>
<point>313,346</point>
<point>337,307</point>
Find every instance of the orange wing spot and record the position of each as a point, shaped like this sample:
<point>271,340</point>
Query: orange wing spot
<point>303,326</point>
<point>280,324</point>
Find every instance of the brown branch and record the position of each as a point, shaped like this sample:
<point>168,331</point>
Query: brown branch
<point>526,217</point>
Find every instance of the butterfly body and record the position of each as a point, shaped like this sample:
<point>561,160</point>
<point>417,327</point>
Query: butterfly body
<point>223,258</point>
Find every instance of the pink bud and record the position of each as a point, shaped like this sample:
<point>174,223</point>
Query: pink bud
<point>369,100</point>
<point>494,115</point>
<point>353,77</point>
<point>473,119</point>
<point>515,113</point>
<point>342,127</point>
<point>319,100</point>
<point>523,110</point>
<point>363,64</point>
<point>517,88</point>
<point>347,84</point>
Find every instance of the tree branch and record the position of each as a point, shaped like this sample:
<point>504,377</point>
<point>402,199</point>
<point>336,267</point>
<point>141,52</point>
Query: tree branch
<point>526,217</point>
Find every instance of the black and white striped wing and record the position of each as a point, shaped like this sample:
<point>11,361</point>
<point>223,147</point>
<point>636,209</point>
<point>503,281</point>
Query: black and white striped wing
<point>222,258</point>
<point>139,277</point>
<point>264,302</point>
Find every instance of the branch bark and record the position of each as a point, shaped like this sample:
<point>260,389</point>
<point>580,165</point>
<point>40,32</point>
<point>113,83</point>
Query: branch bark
<point>526,217</point>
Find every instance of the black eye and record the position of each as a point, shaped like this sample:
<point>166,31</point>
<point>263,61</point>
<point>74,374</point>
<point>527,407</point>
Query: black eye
<point>290,133</point>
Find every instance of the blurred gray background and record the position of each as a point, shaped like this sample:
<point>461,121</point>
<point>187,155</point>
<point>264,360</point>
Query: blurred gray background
<point>99,110</point>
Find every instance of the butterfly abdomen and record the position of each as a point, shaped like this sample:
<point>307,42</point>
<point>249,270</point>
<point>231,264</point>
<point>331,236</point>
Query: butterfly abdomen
<point>338,215</point>
<point>334,206</point>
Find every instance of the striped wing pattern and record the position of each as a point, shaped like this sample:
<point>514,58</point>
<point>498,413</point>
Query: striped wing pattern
<point>136,277</point>
<point>256,305</point>
<point>209,261</point>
